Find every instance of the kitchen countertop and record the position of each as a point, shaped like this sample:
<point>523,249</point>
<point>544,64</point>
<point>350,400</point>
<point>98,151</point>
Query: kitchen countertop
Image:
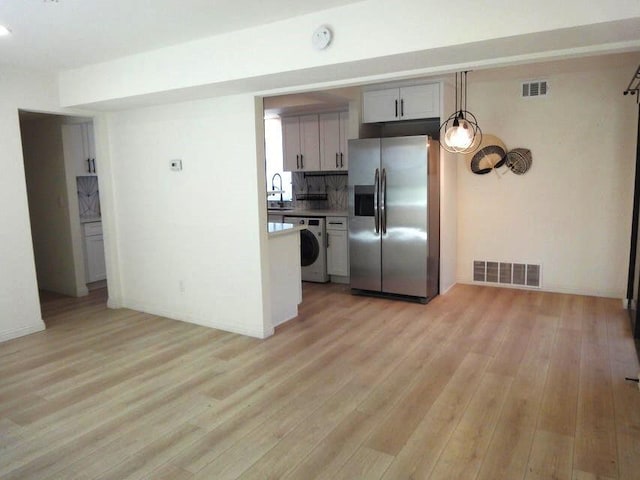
<point>90,219</point>
<point>277,229</point>
<point>298,212</point>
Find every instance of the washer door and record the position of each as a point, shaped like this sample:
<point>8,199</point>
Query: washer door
<point>309,248</point>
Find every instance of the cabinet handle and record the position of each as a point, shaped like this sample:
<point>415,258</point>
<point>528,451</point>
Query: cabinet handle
<point>89,165</point>
<point>341,159</point>
<point>336,159</point>
<point>297,161</point>
<point>301,161</point>
<point>93,161</point>
<point>396,108</point>
<point>402,107</point>
<point>327,239</point>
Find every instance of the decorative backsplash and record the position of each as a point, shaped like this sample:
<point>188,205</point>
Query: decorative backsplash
<point>309,186</point>
<point>88,198</point>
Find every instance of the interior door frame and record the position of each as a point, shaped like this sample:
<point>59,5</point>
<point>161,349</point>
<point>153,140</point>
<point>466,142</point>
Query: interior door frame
<point>633,295</point>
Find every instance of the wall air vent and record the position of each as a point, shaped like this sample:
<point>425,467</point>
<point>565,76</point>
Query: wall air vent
<point>506,273</point>
<point>479,271</point>
<point>537,88</point>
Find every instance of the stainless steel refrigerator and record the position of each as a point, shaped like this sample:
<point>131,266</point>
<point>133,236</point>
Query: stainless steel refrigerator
<point>394,216</point>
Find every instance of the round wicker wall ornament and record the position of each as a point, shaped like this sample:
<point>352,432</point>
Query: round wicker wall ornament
<point>490,155</point>
<point>519,160</point>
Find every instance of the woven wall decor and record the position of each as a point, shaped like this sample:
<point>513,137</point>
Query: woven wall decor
<point>519,160</point>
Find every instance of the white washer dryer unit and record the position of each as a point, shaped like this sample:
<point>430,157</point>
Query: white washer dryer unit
<point>313,248</point>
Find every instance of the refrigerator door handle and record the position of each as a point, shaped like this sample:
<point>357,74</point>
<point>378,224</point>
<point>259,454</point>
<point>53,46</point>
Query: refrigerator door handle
<point>383,201</point>
<point>376,188</point>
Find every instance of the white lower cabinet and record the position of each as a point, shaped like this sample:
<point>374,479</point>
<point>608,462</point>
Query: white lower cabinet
<point>94,252</point>
<point>337,247</point>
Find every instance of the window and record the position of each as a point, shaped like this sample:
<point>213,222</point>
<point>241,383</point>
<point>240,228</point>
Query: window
<point>275,158</point>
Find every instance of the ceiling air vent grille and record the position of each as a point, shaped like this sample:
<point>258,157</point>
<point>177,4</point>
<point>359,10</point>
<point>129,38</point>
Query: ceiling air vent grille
<point>537,88</point>
<point>506,273</point>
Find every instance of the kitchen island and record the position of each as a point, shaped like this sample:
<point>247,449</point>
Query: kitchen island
<point>285,273</point>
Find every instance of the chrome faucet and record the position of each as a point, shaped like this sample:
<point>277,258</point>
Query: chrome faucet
<point>273,187</point>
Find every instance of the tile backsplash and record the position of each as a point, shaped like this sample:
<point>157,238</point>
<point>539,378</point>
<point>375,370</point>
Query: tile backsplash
<point>334,186</point>
<point>88,198</point>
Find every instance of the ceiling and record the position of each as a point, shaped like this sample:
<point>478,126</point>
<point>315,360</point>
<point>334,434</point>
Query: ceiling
<point>61,34</point>
<point>310,102</point>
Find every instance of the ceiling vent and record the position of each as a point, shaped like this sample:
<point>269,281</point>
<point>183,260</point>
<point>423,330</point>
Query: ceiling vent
<point>535,88</point>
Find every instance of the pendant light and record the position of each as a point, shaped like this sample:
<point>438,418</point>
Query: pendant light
<point>460,132</point>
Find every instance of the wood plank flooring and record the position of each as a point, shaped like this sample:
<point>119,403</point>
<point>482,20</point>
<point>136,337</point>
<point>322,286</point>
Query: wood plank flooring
<point>481,383</point>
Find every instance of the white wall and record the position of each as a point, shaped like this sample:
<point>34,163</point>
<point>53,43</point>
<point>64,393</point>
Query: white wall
<point>572,211</point>
<point>48,204</point>
<point>448,202</point>
<point>19,307</point>
<point>374,37</point>
<point>191,243</point>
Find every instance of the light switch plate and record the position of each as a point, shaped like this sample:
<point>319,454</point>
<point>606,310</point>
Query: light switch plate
<point>176,165</point>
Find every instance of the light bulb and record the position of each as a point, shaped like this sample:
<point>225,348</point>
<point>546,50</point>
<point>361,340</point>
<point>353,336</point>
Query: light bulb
<point>459,137</point>
<point>449,134</point>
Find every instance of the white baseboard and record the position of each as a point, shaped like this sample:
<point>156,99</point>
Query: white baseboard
<point>113,302</point>
<point>161,312</point>
<point>21,332</point>
<point>447,289</point>
<point>548,289</point>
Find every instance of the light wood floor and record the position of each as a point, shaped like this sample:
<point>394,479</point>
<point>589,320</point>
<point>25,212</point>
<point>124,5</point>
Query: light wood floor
<point>482,383</point>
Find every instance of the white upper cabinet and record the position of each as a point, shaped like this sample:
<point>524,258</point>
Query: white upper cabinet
<point>333,141</point>
<point>344,144</point>
<point>404,103</point>
<point>381,105</point>
<point>301,143</point>
<point>79,145</point>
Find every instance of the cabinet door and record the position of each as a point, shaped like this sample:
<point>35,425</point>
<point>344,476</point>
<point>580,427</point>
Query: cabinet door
<point>90,146</point>
<point>344,150</point>
<point>291,143</point>
<point>74,148</point>
<point>330,141</point>
<point>420,101</point>
<point>96,268</point>
<point>381,105</point>
<point>309,143</point>
<point>338,253</point>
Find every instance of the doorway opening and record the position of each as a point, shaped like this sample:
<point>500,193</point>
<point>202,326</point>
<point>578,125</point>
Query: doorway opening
<point>61,173</point>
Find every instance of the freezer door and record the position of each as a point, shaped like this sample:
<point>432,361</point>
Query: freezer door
<point>404,215</point>
<point>364,227</point>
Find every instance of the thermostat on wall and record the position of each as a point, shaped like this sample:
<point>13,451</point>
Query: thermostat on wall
<point>176,165</point>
